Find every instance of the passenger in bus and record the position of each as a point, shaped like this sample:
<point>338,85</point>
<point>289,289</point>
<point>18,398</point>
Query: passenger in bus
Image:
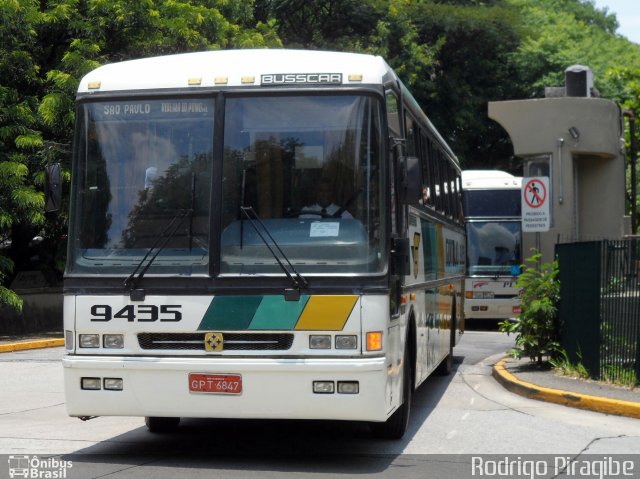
<point>324,203</point>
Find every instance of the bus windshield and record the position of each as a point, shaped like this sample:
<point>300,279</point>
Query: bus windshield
<point>141,165</point>
<point>493,247</point>
<point>308,165</point>
<point>492,203</point>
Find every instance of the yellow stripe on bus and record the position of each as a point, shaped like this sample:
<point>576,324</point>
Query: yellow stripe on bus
<point>326,313</point>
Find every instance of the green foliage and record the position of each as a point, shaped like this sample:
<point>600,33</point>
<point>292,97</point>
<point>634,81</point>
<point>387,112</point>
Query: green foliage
<point>535,327</point>
<point>562,364</point>
<point>625,83</point>
<point>454,55</point>
<point>45,49</point>
<point>620,376</point>
<point>7,296</point>
<point>561,33</point>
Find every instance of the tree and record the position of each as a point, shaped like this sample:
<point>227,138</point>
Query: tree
<point>322,24</point>
<point>564,33</point>
<point>473,44</point>
<point>627,81</point>
<point>45,48</point>
<point>20,202</point>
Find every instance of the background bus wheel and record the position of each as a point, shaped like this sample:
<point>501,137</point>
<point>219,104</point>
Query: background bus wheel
<point>162,424</point>
<point>396,425</point>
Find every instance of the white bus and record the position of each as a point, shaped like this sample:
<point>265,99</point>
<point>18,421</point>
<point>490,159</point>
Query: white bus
<point>205,278</point>
<point>494,243</point>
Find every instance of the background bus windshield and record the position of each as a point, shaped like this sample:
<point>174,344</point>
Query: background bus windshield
<point>494,237</point>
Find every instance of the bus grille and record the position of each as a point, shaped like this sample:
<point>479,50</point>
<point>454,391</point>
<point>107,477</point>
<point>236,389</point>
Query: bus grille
<point>232,341</point>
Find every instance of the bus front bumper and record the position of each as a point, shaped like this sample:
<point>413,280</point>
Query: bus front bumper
<point>271,388</point>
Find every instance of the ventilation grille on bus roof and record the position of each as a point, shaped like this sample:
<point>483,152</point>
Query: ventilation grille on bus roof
<point>232,341</point>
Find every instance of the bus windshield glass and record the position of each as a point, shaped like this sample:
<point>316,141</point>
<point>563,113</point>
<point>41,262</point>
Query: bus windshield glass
<point>310,167</point>
<point>143,178</point>
<point>493,247</point>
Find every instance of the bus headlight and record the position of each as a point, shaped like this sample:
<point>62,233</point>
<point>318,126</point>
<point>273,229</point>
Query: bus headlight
<point>323,387</point>
<point>89,341</point>
<point>318,341</point>
<point>113,341</point>
<point>90,383</point>
<point>113,384</point>
<point>346,342</point>
<point>348,387</point>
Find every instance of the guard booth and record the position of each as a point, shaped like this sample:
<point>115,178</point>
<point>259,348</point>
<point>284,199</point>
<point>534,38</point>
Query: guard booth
<point>576,139</point>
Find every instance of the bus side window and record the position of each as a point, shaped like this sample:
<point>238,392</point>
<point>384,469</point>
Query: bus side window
<point>427,171</point>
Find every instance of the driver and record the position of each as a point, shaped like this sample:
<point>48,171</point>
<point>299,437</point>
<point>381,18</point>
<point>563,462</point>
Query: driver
<point>324,203</point>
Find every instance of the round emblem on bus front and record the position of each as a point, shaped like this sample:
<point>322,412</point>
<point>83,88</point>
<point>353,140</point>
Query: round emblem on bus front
<point>213,342</point>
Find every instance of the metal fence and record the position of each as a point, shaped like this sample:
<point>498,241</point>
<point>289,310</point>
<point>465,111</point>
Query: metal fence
<point>600,307</point>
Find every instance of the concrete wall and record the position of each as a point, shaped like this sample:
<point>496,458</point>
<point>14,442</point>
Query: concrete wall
<point>41,311</point>
<point>587,173</point>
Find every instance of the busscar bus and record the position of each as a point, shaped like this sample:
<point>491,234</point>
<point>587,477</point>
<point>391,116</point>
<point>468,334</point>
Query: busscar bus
<point>204,279</point>
<point>494,244</point>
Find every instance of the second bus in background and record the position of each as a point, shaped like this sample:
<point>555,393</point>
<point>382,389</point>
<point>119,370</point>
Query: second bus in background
<point>494,244</point>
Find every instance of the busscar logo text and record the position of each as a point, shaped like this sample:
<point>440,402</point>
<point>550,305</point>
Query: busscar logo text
<point>298,78</point>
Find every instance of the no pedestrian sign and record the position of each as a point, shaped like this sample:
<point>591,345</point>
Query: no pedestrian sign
<point>535,204</point>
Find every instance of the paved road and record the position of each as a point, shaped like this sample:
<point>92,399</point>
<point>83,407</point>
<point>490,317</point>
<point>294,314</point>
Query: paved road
<point>464,414</point>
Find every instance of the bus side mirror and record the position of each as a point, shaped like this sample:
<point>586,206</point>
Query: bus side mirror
<point>52,187</point>
<point>400,256</point>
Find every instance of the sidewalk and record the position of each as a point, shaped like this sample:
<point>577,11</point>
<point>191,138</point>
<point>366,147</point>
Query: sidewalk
<point>526,379</point>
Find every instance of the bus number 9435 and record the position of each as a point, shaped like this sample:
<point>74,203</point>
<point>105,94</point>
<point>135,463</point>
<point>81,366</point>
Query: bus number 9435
<point>140,312</point>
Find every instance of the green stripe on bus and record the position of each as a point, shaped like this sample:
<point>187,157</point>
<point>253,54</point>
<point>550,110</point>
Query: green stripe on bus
<point>277,313</point>
<point>230,313</point>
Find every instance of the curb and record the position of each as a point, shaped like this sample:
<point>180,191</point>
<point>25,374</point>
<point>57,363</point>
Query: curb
<point>565,398</point>
<point>35,344</point>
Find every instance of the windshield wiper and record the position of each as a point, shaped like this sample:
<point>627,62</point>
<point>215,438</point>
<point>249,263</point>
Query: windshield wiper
<point>169,232</point>
<point>298,282</point>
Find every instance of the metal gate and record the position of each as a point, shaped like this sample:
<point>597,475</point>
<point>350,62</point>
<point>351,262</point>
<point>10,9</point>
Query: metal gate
<point>600,307</point>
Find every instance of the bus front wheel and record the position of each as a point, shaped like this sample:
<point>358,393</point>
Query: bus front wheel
<point>161,424</point>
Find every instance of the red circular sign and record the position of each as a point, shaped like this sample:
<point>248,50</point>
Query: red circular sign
<point>535,193</point>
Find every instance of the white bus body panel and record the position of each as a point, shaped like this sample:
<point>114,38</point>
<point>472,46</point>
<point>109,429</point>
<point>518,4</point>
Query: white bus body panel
<point>273,387</point>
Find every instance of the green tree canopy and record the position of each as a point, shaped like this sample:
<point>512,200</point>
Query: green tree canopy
<point>45,48</point>
<point>454,55</point>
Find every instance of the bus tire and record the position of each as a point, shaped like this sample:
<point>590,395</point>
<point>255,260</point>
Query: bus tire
<point>396,425</point>
<point>161,424</point>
